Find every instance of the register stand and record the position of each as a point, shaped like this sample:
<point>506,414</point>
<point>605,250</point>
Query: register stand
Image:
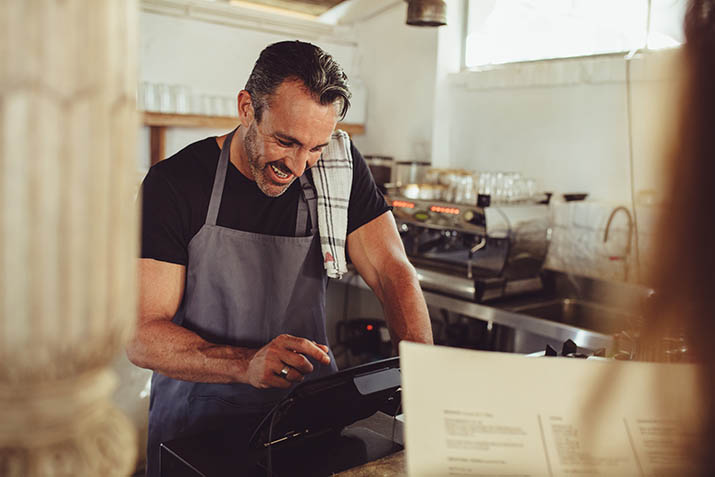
<point>321,427</point>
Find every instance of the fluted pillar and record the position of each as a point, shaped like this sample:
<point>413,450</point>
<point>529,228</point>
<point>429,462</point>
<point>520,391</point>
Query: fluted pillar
<point>69,233</point>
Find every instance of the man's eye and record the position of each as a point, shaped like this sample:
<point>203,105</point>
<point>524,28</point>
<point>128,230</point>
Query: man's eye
<point>317,149</point>
<point>285,143</point>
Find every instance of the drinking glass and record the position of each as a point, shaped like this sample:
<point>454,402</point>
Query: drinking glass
<point>229,106</point>
<point>180,96</point>
<point>147,99</point>
<point>166,100</point>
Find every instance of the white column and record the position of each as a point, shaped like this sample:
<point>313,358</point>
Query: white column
<point>69,233</point>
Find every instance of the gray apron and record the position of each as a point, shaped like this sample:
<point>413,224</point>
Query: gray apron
<point>242,289</point>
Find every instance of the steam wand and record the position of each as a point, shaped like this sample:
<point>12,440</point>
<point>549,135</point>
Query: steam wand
<point>478,246</point>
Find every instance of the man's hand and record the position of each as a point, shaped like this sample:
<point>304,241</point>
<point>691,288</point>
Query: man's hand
<point>284,352</point>
<point>179,353</point>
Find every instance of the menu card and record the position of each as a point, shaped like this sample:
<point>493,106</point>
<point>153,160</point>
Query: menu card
<point>476,413</point>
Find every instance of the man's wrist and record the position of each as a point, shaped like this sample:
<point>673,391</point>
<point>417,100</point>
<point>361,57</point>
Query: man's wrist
<point>242,362</point>
<point>236,360</point>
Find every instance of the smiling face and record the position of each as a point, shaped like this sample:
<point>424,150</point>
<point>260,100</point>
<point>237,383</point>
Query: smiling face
<point>289,139</point>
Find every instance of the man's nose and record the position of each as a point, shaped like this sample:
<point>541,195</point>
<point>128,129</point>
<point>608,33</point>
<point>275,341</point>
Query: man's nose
<point>298,161</point>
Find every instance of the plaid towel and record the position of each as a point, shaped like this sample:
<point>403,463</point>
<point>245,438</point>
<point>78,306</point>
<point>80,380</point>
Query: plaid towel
<point>333,178</point>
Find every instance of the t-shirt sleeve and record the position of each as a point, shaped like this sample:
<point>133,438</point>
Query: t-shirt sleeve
<point>162,234</point>
<point>366,200</point>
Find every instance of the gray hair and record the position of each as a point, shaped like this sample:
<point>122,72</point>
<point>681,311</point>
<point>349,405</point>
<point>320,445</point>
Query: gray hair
<point>321,75</point>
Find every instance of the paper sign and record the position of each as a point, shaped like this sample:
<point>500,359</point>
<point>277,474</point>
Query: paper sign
<point>476,413</point>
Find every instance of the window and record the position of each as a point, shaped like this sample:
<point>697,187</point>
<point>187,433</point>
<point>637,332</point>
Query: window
<point>507,31</point>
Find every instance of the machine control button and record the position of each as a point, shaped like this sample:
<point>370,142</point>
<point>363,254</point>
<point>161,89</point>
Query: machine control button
<point>421,215</point>
<point>478,219</point>
<point>468,216</point>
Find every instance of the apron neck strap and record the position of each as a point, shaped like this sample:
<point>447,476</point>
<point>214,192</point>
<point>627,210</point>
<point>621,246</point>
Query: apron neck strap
<point>219,180</point>
<point>306,205</point>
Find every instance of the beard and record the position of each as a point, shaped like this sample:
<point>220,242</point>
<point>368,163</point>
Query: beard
<point>258,167</point>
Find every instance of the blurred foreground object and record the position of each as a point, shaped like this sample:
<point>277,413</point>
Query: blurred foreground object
<point>681,326</point>
<point>69,234</point>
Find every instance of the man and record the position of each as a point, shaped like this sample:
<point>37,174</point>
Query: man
<point>232,310</point>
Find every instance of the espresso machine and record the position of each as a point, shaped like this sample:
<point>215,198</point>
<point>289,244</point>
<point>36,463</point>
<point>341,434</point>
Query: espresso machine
<point>475,252</point>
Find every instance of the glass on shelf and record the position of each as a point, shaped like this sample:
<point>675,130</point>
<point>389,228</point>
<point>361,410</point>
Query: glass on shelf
<point>166,101</point>
<point>507,187</point>
<point>147,99</point>
<point>181,97</point>
<point>229,106</point>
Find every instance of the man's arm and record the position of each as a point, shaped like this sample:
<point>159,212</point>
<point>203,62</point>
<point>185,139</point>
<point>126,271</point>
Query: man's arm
<point>379,256</point>
<point>176,352</point>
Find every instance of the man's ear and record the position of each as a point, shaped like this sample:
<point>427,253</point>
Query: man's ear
<point>246,113</point>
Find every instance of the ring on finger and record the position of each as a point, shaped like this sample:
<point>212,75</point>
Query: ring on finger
<point>284,372</point>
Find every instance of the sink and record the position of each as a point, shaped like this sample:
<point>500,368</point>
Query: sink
<point>579,313</point>
<point>585,310</point>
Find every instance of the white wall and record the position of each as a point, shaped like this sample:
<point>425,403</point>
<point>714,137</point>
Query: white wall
<point>397,65</point>
<point>212,59</point>
<point>570,138</point>
<point>449,62</point>
<point>565,123</point>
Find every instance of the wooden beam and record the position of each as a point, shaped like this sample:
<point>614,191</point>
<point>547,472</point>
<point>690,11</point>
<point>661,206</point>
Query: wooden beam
<point>158,122</point>
<point>189,121</point>
<point>157,143</point>
<point>311,8</point>
<point>352,129</point>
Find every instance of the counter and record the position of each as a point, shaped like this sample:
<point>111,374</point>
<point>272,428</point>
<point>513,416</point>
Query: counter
<point>393,465</point>
<point>364,446</point>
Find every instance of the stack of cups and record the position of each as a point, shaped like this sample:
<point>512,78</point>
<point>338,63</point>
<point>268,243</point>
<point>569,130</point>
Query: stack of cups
<point>178,99</point>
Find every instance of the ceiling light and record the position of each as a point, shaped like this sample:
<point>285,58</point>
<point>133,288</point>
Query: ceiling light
<point>429,13</point>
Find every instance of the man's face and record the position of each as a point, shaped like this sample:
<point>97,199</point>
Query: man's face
<point>293,131</point>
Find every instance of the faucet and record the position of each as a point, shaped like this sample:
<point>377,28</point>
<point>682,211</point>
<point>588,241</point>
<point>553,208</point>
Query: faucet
<point>630,233</point>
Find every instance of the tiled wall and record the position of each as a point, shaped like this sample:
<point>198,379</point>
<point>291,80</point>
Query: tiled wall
<point>577,241</point>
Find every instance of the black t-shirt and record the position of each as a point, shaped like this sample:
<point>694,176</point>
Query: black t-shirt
<point>176,194</point>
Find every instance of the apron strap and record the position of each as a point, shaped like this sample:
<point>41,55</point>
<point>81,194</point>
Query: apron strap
<point>219,180</point>
<point>308,204</point>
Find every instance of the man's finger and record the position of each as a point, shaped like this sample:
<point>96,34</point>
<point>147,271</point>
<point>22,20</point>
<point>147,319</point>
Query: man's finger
<point>306,347</point>
<point>297,361</point>
<point>278,382</point>
<point>293,375</point>
<point>322,346</point>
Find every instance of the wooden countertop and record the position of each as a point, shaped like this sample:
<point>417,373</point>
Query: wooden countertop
<point>393,465</point>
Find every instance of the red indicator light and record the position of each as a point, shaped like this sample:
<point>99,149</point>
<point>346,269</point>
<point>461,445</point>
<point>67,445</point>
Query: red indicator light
<point>403,203</point>
<point>444,210</point>
<point>369,327</point>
